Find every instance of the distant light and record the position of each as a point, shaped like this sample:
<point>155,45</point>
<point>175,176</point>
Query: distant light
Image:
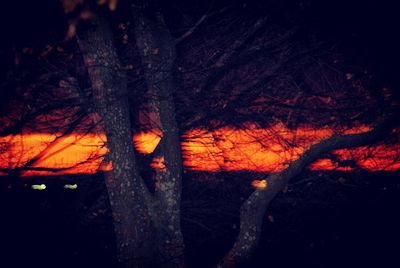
<point>259,184</point>
<point>70,186</point>
<point>39,187</point>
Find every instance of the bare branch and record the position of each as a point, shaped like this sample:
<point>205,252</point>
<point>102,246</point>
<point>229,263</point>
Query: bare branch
<point>199,22</point>
<point>233,49</point>
<point>253,209</point>
<point>189,32</point>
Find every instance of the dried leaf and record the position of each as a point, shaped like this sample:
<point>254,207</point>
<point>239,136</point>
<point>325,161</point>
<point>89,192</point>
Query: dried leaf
<point>71,31</point>
<point>349,76</point>
<point>86,15</point>
<point>70,5</point>
<point>112,4</point>
<point>27,50</point>
<point>17,59</point>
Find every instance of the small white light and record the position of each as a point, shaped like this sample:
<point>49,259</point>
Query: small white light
<point>70,186</point>
<point>39,187</point>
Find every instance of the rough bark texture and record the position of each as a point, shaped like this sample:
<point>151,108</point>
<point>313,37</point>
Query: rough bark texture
<point>157,50</point>
<point>253,209</point>
<point>127,192</point>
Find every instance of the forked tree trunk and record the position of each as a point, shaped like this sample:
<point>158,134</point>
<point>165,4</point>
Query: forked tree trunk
<point>128,195</point>
<point>253,209</point>
<point>157,51</point>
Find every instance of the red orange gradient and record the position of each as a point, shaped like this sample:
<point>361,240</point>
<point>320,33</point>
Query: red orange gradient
<point>226,149</point>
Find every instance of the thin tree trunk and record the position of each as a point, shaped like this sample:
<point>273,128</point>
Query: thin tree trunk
<point>253,209</point>
<point>157,50</point>
<point>128,195</point>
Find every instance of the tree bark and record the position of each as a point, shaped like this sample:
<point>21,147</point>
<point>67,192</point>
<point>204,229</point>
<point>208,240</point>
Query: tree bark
<point>253,209</point>
<point>157,51</point>
<point>128,195</point>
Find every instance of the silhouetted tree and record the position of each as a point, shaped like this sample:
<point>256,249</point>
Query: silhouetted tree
<point>210,70</point>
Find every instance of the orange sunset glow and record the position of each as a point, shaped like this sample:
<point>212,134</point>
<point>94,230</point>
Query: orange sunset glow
<point>224,149</point>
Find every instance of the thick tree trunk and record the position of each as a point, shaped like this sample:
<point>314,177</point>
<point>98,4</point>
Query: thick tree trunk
<point>157,50</point>
<point>253,209</point>
<point>127,193</point>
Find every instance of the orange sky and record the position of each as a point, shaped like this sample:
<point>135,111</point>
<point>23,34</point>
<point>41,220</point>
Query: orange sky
<point>225,149</point>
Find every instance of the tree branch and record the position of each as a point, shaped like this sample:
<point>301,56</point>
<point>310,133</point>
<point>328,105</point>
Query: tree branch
<point>199,22</point>
<point>189,32</point>
<point>232,50</point>
<point>253,209</point>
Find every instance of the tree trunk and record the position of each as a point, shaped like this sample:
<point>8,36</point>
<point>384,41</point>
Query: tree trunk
<point>157,50</point>
<point>253,209</point>
<point>128,195</point>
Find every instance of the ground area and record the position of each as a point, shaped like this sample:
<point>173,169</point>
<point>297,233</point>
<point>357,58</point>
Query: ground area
<point>322,220</point>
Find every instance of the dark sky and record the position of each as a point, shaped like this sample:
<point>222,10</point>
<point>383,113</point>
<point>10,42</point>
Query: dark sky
<point>366,30</point>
